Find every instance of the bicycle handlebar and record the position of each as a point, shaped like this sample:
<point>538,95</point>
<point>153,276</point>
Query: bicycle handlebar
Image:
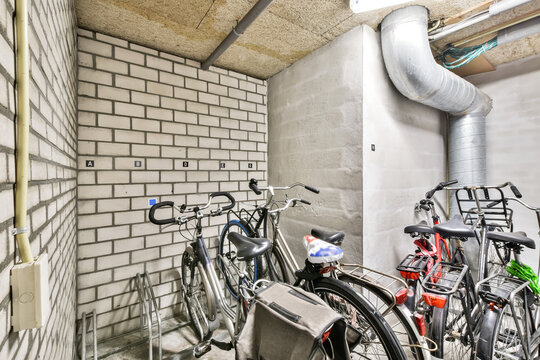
<point>158,206</point>
<point>253,186</point>
<point>440,186</point>
<point>257,190</point>
<point>292,201</point>
<point>195,209</point>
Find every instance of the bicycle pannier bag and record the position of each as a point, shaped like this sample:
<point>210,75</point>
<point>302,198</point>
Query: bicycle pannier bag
<point>286,322</point>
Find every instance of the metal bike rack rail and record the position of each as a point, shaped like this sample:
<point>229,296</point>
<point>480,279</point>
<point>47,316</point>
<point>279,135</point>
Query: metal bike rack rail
<point>84,331</point>
<point>147,308</point>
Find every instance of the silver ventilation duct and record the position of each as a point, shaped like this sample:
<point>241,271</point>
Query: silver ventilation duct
<point>414,72</point>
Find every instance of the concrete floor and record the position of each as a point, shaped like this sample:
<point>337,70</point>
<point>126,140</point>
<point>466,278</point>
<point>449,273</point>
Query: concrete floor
<point>178,340</point>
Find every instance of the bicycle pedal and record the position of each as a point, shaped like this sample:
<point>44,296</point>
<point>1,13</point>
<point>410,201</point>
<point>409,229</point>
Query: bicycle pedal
<point>202,348</point>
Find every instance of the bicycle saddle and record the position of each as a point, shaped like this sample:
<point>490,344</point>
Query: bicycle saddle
<point>422,228</point>
<point>331,237</point>
<point>454,228</point>
<point>320,251</point>
<point>248,248</point>
<point>519,238</point>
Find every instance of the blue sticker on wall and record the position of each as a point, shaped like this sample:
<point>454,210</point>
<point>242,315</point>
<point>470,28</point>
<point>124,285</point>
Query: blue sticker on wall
<point>152,202</point>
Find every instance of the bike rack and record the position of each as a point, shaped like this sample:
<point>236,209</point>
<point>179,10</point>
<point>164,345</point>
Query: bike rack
<point>148,309</point>
<point>444,278</point>
<point>413,266</point>
<point>84,331</point>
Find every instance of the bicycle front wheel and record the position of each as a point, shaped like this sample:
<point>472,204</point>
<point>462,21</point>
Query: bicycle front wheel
<point>198,296</point>
<point>368,334</point>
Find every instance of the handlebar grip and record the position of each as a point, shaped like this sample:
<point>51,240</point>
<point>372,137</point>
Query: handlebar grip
<point>515,191</point>
<point>305,201</point>
<point>253,186</point>
<point>312,189</point>
<point>430,193</point>
<point>161,221</point>
<point>228,196</point>
<point>448,183</point>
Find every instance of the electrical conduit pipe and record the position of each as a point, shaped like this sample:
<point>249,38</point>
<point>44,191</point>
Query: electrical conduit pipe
<point>23,127</point>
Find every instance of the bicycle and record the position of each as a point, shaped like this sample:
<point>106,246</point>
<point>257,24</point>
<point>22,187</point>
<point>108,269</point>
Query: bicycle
<point>203,294</point>
<point>449,288</point>
<point>201,289</point>
<point>427,254</point>
<point>511,322</point>
<point>266,217</point>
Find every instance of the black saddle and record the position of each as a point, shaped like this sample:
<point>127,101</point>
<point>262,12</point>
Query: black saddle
<point>421,228</point>
<point>335,238</point>
<point>454,228</point>
<point>519,238</point>
<point>248,248</point>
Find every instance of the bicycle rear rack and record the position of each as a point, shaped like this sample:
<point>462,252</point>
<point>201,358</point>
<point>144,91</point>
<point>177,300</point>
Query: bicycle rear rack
<point>148,309</point>
<point>412,266</point>
<point>444,278</point>
<point>84,331</point>
<point>384,282</point>
<point>500,289</point>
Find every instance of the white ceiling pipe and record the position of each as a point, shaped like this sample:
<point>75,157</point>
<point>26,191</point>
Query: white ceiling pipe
<point>494,9</point>
<point>414,72</point>
<point>516,32</point>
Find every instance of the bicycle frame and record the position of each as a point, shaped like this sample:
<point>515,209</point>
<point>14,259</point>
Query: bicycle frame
<point>211,279</point>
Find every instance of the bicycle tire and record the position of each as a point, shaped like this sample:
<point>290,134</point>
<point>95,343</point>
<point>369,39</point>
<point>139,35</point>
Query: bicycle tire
<point>448,323</point>
<point>498,331</point>
<point>404,328</point>
<point>279,267</point>
<point>344,300</point>
<point>197,296</point>
<point>225,249</point>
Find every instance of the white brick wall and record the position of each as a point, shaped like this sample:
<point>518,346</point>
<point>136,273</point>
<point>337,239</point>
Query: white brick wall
<point>137,104</point>
<point>52,186</point>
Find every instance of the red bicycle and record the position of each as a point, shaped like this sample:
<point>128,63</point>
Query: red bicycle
<point>427,254</point>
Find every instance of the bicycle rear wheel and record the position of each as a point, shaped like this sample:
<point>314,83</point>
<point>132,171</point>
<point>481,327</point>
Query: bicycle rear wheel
<point>398,317</point>
<point>368,334</point>
<point>227,250</point>
<point>499,336</point>
<point>198,296</point>
<point>449,329</point>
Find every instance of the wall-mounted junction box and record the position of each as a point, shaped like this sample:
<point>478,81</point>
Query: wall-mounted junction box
<point>30,293</point>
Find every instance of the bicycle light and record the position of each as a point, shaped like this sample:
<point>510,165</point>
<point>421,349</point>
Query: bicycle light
<point>434,300</point>
<point>401,296</point>
<point>420,323</point>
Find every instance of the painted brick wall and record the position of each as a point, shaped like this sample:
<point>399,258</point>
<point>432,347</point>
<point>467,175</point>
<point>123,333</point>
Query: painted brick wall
<point>52,187</point>
<point>140,105</point>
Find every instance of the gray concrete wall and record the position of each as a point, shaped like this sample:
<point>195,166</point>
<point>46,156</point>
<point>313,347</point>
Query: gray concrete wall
<point>513,136</point>
<point>315,136</point>
<point>408,160</point>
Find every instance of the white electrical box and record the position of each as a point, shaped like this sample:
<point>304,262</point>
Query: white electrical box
<point>30,294</point>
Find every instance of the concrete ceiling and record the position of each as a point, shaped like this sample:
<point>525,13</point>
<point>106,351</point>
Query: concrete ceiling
<point>287,31</point>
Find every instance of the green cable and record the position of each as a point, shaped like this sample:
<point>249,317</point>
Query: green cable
<point>524,272</point>
<point>465,55</point>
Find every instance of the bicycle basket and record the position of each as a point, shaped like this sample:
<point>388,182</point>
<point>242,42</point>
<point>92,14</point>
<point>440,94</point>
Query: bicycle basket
<point>286,322</point>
